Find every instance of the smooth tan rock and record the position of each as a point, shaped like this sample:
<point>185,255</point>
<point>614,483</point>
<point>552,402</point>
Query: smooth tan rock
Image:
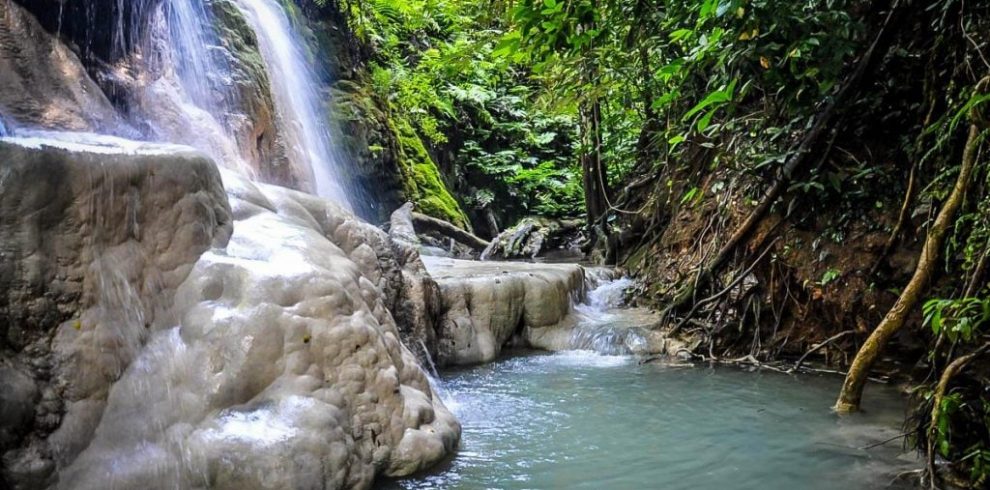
<point>486,303</point>
<point>44,83</point>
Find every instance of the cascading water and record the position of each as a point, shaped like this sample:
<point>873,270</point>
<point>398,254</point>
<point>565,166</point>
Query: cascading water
<point>607,295</point>
<point>603,324</point>
<point>433,375</point>
<point>189,98</point>
<point>298,102</point>
<point>187,72</point>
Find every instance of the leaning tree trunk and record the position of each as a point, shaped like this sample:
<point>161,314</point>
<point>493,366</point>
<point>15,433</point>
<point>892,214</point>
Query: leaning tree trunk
<point>852,388</point>
<point>823,126</point>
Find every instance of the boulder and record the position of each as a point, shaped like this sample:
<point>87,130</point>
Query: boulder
<point>484,304</point>
<point>533,237</point>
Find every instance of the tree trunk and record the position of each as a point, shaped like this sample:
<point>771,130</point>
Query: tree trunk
<point>852,388</point>
<point>429,223</point>
<point>593,171</point>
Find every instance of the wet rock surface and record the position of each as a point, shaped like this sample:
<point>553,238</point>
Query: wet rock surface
<point>44,83</point>
<point>249,345</point>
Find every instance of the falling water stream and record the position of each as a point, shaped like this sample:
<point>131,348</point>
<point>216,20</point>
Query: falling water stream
<point>183,88</point>
<point>297,99</point>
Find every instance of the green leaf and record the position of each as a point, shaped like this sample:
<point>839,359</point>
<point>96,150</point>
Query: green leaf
<point>717,97</point>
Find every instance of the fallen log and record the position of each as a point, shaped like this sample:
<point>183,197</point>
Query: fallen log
<point>423,223</point>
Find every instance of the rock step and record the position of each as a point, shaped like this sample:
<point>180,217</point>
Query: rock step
<point>485,303</point>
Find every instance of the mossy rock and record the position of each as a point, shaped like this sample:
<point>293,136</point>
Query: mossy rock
<point>422,181</point>
<point>533,236</point>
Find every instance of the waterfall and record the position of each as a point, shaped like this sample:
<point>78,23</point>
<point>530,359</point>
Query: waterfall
<point>231,78</point>
<point>191,35</point>
<point>298,101</point>
<point>181,89</point>
<point>433,376</point>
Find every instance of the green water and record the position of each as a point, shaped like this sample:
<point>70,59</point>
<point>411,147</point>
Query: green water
<point>582,420</point>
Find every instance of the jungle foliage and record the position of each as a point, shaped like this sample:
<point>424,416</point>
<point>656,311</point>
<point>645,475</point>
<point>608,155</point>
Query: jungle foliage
<point>840,118</point>
<point>434,66</point>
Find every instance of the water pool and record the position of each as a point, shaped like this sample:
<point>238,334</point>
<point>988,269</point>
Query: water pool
<point>578,419</point>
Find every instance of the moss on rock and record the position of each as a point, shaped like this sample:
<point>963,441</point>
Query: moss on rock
<point>422,182</point>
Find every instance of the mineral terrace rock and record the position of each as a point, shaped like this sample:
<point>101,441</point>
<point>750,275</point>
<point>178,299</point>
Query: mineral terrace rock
<point>156,336</point>
<point>486,303</point>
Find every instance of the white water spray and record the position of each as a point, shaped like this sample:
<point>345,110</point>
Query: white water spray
<point>298,102</point>
<point>433,376</point>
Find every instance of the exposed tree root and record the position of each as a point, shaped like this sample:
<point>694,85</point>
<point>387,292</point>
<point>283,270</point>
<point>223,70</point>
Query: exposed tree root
<point>902,219</point>
<point>739,278</point>
<point>426,223</point>
<point>819,346</point>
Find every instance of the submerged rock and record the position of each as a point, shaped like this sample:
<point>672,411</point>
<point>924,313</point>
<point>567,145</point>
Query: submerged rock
<point>157,336</point>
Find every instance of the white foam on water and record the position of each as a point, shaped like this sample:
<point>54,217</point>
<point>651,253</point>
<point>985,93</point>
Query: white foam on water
<point>587,358</point>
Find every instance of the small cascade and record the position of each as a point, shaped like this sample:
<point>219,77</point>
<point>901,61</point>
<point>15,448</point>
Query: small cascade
<point>298,101</point>
<point>607,294</point>
<point>610,294</point>
<point>604,324</point>
<point>433,375</point>
<point>596,276</point>
<point>3,129</point>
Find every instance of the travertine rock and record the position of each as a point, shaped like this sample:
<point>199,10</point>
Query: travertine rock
<point>278,364</point>
<point>485,303</point>
<point>94,240</point>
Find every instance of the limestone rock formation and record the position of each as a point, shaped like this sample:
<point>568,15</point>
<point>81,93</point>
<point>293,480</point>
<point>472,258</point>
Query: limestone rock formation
<point>44,83</point>
<point>94,241</point>
<point>485,303</point>
<point>157,336</point>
